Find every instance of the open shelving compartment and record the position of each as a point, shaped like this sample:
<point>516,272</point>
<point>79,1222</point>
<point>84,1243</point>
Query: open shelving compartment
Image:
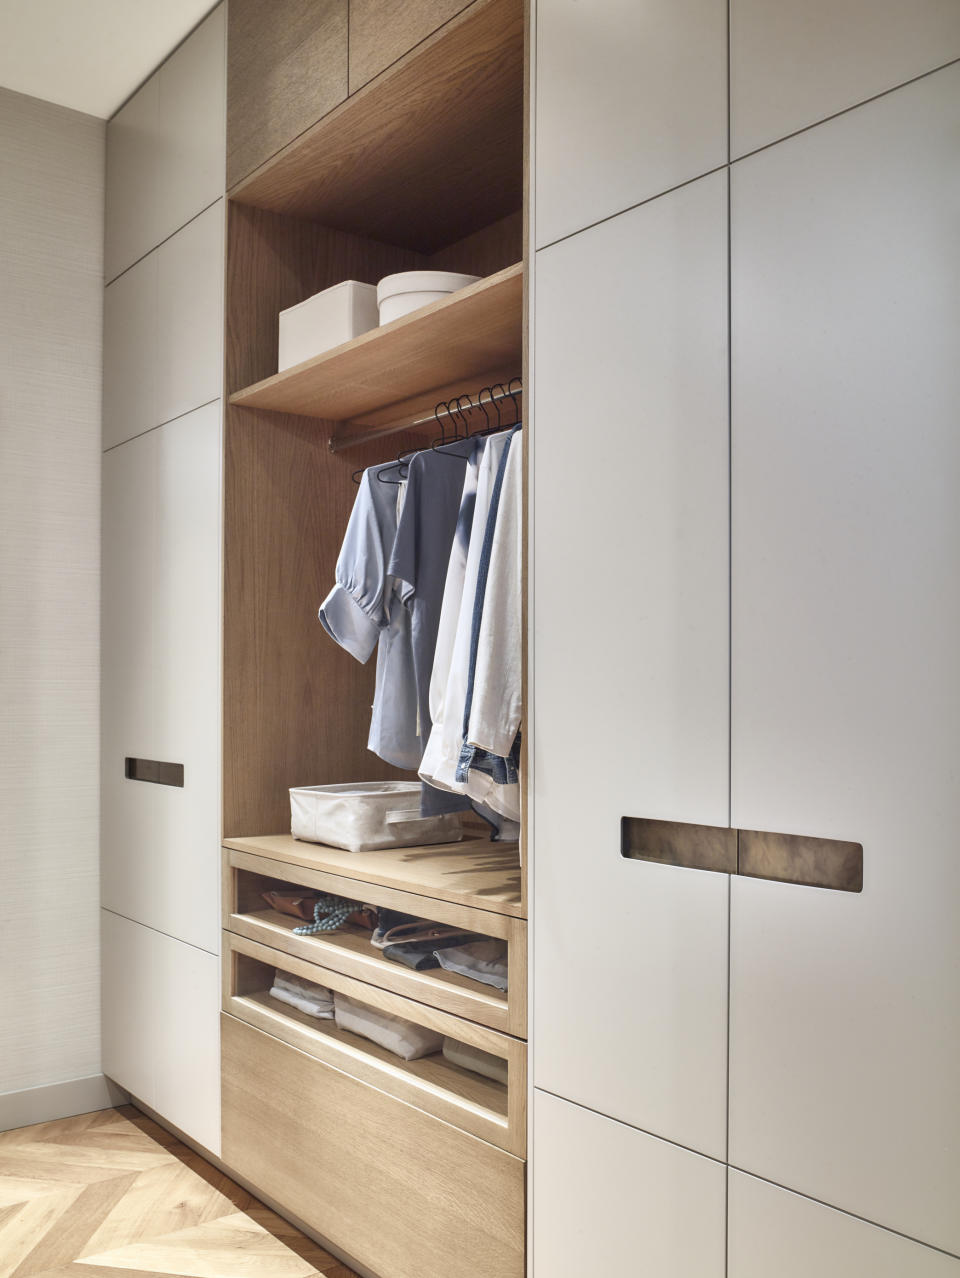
<point>484,1107</point>
<point>467,874</point>
<point>413,171</point>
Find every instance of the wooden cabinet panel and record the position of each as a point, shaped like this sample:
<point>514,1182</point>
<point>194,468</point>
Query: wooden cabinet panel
<point>611,1200</point>
<point>791,65</point>
<point>631,101</point>
<point>380,33</point>
<point>775,1232</point>
<point>286,67</point>
<point>190,316</point>
<point>845,1025</point>
<point>403,1192</point>
<point>161,592</point>
<point>630,600</point>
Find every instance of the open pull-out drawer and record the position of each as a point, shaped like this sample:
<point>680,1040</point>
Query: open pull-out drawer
<point>348,950</point>
<point>438,1083</point>
<point>398,1190</point>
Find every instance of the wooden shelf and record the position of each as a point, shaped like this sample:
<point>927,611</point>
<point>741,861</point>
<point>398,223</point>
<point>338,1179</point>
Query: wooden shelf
<point>436,1071</point>
<point>426,153</point>
<point>403,368</point>
<point>472,1102</point>
<point>474,873</point>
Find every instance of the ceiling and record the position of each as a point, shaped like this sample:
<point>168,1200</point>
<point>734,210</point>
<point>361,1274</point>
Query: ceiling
<point>89,54</point>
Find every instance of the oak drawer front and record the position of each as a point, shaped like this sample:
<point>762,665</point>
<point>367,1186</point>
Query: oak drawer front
<point>349,950</point>
<point>493,1110</point>
<point>404,1193</point>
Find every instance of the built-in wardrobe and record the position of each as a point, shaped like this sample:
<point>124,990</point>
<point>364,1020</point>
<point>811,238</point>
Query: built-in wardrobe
<point>357,144</point>
<point>716,243</point>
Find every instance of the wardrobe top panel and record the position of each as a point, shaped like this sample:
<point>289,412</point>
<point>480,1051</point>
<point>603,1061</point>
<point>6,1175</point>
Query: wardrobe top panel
<point>427,152</point>
<point>475,872</point>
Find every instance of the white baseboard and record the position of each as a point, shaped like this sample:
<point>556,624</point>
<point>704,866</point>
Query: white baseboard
<point>58,1100</point>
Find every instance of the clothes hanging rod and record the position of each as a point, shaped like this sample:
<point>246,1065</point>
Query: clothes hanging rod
<point>338,443</point>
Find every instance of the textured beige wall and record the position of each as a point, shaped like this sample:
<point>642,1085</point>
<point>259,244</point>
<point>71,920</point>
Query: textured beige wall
<point>51,290</point>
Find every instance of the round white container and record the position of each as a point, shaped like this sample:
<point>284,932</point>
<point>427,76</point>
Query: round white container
<point>400,294</point>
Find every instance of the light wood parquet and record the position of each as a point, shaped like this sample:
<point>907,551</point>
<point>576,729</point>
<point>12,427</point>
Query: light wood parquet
<point>112,1195</point>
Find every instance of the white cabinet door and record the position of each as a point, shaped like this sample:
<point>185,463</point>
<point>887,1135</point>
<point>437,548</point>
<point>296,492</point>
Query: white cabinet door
<point>845,1021</point>
<point>611,1200</point>
<point>192,127</point>
<point>774,1232</point>
<point>132,211</point>
<point>130,319</point>
<point>161,684</point>
<point>129,1009</point>
<point>190,316</point>
<point>166,148</point>
<point>793,64</point>
<point>630,672</point>
<point>161,1001</point>
<point>163,320</point>
<point>188,1040</point>
<point>631,101</point>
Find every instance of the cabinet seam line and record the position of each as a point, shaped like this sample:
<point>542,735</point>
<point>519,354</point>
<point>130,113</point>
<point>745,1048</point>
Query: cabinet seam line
<point>159,426</point>
<point>622,1122</point>
<point>159,244</point>
<point>875,97</point>
<point>160,932</point>
<point>822,1202</point>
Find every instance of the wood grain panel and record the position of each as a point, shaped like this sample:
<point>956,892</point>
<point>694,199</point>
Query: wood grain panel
<point>460,340</point>
<point>286,67</point>
<point>423,155</point>
<point>476,872</point>
<point>111,1193</point>
<point>349,950</point>
<point>314,1138</point>
<point>381,33</point>
<point>491,249</point>
<point>469,1101</point>
<point>296,707</point>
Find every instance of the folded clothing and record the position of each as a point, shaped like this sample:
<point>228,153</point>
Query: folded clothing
<point>421,954</point>
<point>387,919</point>
<point>307,996</point>
<point>404,1038</point>
<point>484,961</point>
<point>473,1058</point>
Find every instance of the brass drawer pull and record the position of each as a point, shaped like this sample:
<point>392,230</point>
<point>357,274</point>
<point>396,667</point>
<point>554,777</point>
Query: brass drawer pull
<point>757,854</point>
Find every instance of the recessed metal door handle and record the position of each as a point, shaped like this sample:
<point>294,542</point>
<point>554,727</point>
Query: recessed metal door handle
<point>153,770</point>
<point>756,854</point>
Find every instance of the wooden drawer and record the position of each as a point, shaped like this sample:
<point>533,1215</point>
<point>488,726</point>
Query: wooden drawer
<point>349,951</point>
<point>492,1110</point>
<point>402,1192</point>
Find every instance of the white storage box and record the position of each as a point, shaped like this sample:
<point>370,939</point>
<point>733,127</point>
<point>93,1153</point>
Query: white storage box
<point>399,294</point>
<point>368,815</point>
<point>326,320</point>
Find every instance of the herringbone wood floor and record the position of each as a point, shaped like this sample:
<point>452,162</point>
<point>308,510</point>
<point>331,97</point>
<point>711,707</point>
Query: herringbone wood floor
<point>112,1195</point>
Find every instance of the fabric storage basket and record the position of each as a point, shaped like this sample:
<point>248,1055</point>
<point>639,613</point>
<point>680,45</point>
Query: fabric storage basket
<point>368,815</point>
